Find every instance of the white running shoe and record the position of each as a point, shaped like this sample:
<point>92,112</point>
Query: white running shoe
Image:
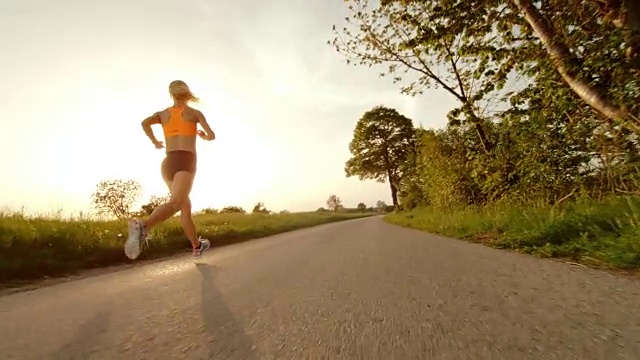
<point>137,239</point>
<point>204,245</point>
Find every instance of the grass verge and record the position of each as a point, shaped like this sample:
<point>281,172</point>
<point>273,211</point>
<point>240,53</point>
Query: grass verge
<point>596,233</point>
<point>36,248</point>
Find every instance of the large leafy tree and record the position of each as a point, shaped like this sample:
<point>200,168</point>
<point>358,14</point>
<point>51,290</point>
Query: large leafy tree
<point>382,144</point>
<point>470,47</point>
<point>449,45</point>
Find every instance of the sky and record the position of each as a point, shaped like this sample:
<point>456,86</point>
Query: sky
<point>78,77</point>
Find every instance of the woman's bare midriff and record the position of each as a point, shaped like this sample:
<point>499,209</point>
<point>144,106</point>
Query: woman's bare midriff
<point>175,143</point>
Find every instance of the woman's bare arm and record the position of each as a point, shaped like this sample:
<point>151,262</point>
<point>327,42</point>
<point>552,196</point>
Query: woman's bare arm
<point>205,125</point>
<point>146,126</point>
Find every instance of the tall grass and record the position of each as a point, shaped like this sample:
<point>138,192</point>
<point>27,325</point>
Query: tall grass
<point>36,247</point>
<point>602,233</point>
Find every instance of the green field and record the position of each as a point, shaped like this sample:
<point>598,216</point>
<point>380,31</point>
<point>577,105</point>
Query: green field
<point>597,233</point>
<point>34,248</point>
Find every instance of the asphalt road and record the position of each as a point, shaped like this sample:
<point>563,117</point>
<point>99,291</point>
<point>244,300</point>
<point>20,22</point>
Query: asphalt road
<point>360,289</point>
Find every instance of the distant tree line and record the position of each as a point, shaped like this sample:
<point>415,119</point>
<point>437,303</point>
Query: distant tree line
<point>117,198</point>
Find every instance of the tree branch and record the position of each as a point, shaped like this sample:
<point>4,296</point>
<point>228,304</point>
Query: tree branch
<point>563,60</point>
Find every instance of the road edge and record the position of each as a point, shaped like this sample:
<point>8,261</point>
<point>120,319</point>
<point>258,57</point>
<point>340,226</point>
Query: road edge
<point>9,288</point>
<point>629,274</point>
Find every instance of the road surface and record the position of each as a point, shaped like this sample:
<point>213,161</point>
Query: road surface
<point>359,289</point>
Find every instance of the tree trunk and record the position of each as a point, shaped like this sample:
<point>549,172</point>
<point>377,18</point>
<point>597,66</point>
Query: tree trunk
<point>486,145</point>
<point>394,188</point>
<point>394,194</point>
<point>477,123</point>
<point>563,61</point>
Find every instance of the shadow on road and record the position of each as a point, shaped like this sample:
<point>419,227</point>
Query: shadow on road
<point>87,338</point>
<point>229,339</point>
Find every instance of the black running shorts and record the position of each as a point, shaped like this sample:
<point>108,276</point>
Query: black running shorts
<point>178,160</point>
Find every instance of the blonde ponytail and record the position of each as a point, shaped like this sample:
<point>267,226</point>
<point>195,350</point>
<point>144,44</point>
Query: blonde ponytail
<point>180,92</point>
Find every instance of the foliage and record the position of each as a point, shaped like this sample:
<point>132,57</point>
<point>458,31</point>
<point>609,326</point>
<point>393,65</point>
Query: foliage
<point>232,210</point>
<point>427,45</point>
<point>116,197</point>
<point>334,203</point>
<point>362,206</point>
<point>569,64</point>
<point>521,130</point>
<point>381,145</point>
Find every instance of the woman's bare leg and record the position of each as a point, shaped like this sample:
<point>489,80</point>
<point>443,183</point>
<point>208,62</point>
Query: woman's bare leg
<point>180,189</point>
<point>188,225</point>
<point>179,201</point>
<point>186,219</point>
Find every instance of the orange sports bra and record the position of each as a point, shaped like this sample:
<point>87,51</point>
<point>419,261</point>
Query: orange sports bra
<point>177,125</point>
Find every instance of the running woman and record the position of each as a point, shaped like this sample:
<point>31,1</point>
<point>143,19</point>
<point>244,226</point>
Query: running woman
<point>178,169</point>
